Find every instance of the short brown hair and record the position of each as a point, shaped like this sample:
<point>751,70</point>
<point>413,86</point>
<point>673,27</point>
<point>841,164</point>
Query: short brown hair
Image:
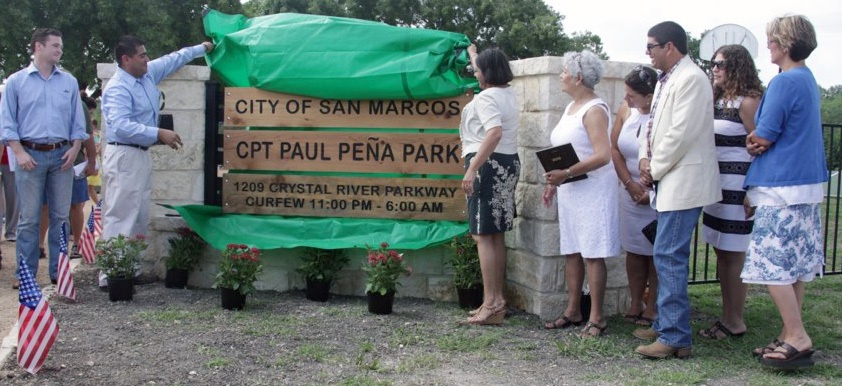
<point>40,36</point>
<point>794,33</point>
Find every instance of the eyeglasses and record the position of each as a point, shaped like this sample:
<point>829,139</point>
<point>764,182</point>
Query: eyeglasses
<point>649,47</point>
<point>720,64</point>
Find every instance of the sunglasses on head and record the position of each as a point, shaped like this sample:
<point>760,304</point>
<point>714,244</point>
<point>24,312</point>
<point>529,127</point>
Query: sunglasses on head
<point>641,73</point>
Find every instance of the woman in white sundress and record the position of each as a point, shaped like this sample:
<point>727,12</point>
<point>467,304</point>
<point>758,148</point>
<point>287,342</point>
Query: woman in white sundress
<point>587,209</point>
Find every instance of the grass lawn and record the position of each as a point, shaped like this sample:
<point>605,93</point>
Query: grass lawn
<point>728,361</point>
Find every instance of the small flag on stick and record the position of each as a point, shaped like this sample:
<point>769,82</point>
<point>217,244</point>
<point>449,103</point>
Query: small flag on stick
<point>66,287</point>
<point>37,327</point>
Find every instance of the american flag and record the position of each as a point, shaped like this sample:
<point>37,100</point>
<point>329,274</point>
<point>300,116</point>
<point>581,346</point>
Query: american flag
<point>37,327</point>
<point>87,243</point>
<point>66,287</point>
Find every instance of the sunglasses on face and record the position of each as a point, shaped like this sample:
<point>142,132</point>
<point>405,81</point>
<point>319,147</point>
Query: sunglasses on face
<point>719,64</point>
<point>649,47</point>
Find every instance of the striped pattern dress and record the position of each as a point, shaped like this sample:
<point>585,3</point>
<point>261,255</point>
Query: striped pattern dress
<point>724,223</point>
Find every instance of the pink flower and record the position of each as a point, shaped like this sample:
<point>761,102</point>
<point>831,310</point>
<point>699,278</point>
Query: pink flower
<point>384,245</point>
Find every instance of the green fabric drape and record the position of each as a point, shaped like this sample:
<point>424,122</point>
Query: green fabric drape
<point>271,232</point>
<point>336,58</point>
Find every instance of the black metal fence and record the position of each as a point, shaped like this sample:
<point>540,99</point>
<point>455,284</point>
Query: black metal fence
<point>703,259</point>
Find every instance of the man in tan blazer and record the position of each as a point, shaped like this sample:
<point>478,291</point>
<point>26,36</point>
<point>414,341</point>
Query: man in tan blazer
<point>678,159</point>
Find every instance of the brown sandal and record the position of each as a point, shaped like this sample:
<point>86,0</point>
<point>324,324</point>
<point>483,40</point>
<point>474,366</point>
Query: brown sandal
<point>586,332</point>
<point>760,351</point>
<point>561,323</point>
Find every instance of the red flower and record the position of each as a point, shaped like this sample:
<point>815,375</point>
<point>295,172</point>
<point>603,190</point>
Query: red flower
<point>384,245</point>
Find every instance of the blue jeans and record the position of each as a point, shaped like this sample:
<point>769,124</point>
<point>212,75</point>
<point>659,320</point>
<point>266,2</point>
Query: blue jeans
<point>31,186</point>
<point>672,262</point>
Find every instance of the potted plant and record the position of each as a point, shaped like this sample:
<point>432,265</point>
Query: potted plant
<point>383,267</point>
<point>467,276</point>
<point>319,270</point>
<point>118,258</point>
<point>238,270</point>
<point>185,251</point>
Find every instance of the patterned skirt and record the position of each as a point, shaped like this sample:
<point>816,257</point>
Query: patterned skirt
<point>491,209</point>
<point>786,245</point>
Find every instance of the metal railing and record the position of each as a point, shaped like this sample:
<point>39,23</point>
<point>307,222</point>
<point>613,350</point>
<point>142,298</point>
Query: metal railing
<point>703,259</point>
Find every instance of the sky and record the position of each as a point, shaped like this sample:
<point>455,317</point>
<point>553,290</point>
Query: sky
<point>622,26</point>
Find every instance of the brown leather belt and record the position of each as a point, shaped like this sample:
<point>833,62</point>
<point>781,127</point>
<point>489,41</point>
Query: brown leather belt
<point>43,146</point>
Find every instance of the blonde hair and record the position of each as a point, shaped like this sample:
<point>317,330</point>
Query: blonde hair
<point>795,34</point>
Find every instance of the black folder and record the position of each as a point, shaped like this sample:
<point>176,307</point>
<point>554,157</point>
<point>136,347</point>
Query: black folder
<point>559,158</point>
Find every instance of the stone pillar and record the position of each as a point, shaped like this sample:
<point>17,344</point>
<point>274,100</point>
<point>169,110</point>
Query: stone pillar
<point>535,271</point>
<point>177,175</point>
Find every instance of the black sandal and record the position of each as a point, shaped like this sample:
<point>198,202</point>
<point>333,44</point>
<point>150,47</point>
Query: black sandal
<point>565,323</point>
<point>711,333</point>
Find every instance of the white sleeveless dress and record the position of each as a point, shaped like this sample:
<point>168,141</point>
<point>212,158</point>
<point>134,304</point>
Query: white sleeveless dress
<point>587,209</point>
<point>633,217</point>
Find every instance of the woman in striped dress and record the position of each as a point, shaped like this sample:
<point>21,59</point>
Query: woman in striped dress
<point>726,225</point>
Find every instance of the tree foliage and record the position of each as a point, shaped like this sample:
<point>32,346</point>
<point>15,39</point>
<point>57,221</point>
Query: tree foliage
<point>90,28</point>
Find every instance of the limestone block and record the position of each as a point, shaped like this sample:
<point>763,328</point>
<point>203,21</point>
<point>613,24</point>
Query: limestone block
<point>536,66</point>
<point>617,276</point>
<point>538,237</point>
<point>176,184</point>
<point>440,288</point>
<point>547,306</point>
<point>189,124</point>
<point>273,279</point>
<point>414,286</point>
<point>538,273</point>
<point>530,204</point>
<point>180,95</point>
<point>535,128</point>
<point>531,170</point>
<point>427,261</point>
<point>540,93</point>
<point>189,157</point>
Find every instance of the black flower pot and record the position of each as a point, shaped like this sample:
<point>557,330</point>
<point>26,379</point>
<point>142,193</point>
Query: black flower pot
<point>232,299</point>
<point>318,290</point>
<point>470,298</point>
<point>176,278</point>
<point>120,289</point>
<point>380,304</point>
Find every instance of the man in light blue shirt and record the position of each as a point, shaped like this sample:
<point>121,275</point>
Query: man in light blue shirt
<point>130,108</point>
<point>41,119</point>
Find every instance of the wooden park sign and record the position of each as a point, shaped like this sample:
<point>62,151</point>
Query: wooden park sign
<point>253,107</point>
<point>299,148</point>
<point>406,198</point>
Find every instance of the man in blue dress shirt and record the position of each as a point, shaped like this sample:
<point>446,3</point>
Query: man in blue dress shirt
<point>41,119</point>
<point>130,107</point>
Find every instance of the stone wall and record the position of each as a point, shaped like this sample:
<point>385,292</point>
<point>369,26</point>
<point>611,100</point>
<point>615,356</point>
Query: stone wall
<point>535,270</point>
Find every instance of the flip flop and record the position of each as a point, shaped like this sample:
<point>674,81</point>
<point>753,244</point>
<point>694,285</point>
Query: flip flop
<point>562,322</point>
<point>792,360</point>
<point>760,351</point>
<point>711,333</point>
<point>632,317</point>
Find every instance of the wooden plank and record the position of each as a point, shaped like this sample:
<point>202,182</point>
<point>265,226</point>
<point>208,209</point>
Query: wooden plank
<point>246,106</point>
<point>342,151</point>
<point>316,196</point>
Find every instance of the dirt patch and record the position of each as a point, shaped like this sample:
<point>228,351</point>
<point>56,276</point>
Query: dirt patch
<point>168,336</point>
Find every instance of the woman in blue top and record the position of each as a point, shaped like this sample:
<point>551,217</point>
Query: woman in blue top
<point>785,186</point>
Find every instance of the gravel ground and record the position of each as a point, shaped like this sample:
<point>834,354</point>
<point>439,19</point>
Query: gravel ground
<point>183,337</point>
